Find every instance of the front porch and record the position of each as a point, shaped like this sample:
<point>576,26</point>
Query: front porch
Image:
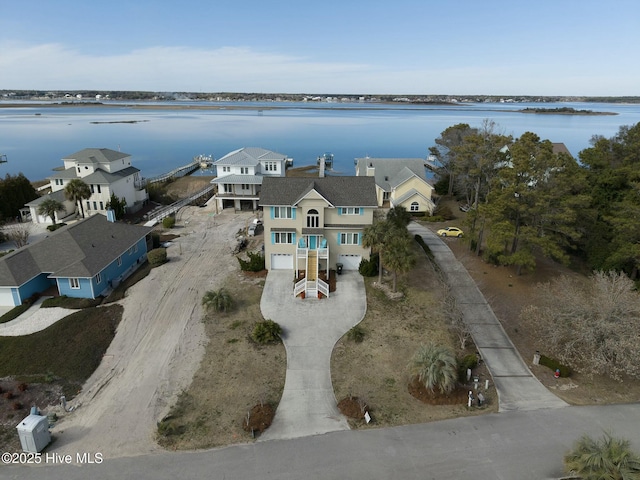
<point>312,267</point>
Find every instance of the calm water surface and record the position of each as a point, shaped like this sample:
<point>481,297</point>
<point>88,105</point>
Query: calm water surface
<point>35,139</point>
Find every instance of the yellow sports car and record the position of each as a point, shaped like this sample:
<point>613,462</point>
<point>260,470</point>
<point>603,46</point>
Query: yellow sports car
<point>450,232</point>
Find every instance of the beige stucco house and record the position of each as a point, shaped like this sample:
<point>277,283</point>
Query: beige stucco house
<point>313,224</point>
<point>399,182</point>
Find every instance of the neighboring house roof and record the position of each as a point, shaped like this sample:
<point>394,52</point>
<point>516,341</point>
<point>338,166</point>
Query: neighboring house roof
<point>560,148</point>
<point>104,177</point>
<point>338,191</point>
<point>249,157</point>
<point>69,173</point>
<point>248,179</point>
<point>411,193</point>
<point>79,250</point>
<point>390,172</point>
<point>96,155</point>
<point>57,195</point>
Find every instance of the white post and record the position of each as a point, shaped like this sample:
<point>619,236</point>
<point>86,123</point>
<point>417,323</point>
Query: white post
<point>486,384</point>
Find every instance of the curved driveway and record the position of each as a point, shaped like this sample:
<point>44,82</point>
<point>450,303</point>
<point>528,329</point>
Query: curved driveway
<point>517,387</point>
<point>311,328</point>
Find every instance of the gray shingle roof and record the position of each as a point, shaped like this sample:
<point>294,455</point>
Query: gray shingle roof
<point>96,155</point>
<point>339,191</point>
<point>248,179</point>
<point>79,250</point>
<point>389,172</point>
<point>104,177</point>
<point>57,195</point>
<point>249,157</point>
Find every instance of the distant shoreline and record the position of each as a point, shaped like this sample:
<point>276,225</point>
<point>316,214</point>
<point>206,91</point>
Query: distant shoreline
<point>286,106</point>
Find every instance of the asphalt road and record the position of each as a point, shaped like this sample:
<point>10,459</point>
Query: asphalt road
<point>519,445</point>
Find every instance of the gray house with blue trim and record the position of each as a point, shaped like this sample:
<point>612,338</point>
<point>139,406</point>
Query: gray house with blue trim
<point>312,224</point>
<point>83,260</point>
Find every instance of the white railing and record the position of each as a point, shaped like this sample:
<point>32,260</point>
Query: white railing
<point>323,253</point>
<point>323,288</point>
<point>301,252</point>
<point>300,287</point>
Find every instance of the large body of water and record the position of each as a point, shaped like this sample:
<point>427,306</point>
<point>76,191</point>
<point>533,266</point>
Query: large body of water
<point>35,139</point>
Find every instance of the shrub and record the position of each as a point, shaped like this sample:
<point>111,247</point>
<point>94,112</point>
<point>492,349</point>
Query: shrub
<point>155,240</point>
<point>468,362</point>
<point>356,334</point>
<point>53,228</point>
<point>157,256</point>
<point>443,211</point>
<point>369,268</point>
<point>555,365</point>
<point>218,301</point>
<point>266,331</point>
<point>254,264</point>
<point>168,222</point>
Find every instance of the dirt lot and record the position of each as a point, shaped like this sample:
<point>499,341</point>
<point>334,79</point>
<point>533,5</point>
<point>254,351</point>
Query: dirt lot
<point>158,345</point>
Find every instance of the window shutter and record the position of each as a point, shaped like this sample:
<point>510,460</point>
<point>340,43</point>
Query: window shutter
<point>293,213</point>
<point>359,238</point>
<point>293,238</point>
<point>339,237</point>
<point>361,211</point>
<point>273,237</point>
<point>339,210</point>
<point>272,214</point>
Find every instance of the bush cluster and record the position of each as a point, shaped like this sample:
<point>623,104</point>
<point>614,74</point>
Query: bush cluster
<point>53,228</point>
<point>254,264</point>
<point>169,222</point>
<point>157,256</point>
<point>468,361</point>
<point>266,331</point>
<point>356,334</point>
<point>369,268</point>
<point>555,365</point>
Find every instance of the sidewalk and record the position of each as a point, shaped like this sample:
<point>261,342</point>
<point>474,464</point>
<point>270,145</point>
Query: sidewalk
<point>33,320</point>
<point>311,328</point>
<point>517,387</point>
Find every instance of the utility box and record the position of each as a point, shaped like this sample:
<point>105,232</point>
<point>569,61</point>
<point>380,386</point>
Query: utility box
<point>34,433</point>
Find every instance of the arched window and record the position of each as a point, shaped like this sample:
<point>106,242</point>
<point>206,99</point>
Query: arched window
<point>313,219</point>
<point>415,206</point>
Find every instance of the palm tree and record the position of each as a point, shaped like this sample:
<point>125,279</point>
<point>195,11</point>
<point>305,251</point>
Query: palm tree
<point>373,237</point>
<point>399,216</point>
<point>50,207</point>
<point>77,191</point>
<point>606,458</point>
<point>436,366</point>
<point>398,255</point>
<point>219,301</point>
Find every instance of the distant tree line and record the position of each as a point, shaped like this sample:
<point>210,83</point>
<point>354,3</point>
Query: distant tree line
<point>526,200</point>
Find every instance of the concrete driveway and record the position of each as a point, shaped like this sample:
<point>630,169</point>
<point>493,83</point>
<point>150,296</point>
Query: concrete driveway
<point>311,328</point>
<point>517,387</point>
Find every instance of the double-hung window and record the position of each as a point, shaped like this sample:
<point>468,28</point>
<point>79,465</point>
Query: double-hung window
<point>349,238</point>
<point>283,237</point>
<point>282,212</point>
<point>350,211</point>
<point>74,283</point>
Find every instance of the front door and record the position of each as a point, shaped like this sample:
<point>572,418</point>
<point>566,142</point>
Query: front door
<point>312,242</point>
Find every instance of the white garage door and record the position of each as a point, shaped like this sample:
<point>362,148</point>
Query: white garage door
<point>281,261</point>
<point>350,262</point>
<point>6,299</point>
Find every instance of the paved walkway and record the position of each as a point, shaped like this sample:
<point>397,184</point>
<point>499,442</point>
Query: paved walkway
<point>311,327</point>
<point>517,387</point>
<point>33,320</point>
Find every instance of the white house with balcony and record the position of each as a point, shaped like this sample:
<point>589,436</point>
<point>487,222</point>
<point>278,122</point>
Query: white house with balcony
<point>105,171</point>
<point>240,174</point>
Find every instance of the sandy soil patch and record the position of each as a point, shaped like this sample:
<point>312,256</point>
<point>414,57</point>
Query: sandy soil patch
<point>158,345</point>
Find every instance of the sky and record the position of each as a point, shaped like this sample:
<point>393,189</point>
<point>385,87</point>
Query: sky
<point>411,47</point>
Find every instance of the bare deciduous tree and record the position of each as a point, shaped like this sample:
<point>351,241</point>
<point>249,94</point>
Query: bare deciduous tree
<point>453,316</point>
<point>18,233</point>
<point>591,326</point>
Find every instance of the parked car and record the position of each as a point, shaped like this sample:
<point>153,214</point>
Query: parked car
<point>254,229</point>
<point>450,232</point>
